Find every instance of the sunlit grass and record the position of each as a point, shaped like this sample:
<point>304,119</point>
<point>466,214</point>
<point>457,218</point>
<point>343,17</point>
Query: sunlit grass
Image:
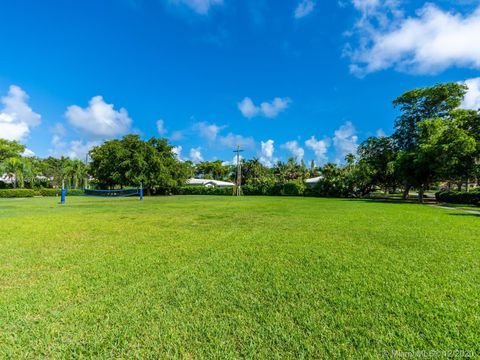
<point>255,277</point>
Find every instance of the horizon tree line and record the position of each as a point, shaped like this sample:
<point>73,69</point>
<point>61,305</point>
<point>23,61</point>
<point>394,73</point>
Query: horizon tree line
<point>434,141</point>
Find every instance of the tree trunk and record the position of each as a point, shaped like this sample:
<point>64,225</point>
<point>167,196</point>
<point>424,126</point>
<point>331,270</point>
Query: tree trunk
<point>459,186</point>
<point>467,185</point>
<point>405,192</point>
<point>421,192</point>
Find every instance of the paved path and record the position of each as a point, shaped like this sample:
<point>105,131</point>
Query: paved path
<point>474,212</point>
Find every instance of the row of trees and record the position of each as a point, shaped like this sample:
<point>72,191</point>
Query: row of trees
<point>129,161</point>
<point>32,172</point>
<point>434,142</point>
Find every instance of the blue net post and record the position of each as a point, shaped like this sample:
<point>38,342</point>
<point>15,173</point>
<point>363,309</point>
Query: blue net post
<point>62,194</point>
<point>141,192</point>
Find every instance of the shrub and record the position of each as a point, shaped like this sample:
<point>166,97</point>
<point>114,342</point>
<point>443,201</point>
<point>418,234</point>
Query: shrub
<point>294,188</point>
<point>459,197</point>
<point>75,192</point>
<point>201,190</point>
<point>49,192</point>
<point>17,193</point>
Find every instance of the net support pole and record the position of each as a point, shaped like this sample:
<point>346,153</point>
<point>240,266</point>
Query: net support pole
<point>141,192</point>
<point>63,193</point>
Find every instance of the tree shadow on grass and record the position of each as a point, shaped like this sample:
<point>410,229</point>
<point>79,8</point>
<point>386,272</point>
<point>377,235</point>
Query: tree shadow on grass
<point>388,201</point>
<point>465,214</point>
<point>458,211</point>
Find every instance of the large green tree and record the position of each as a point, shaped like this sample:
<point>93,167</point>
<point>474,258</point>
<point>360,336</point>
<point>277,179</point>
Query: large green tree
<point>377,160</point>
<point>416,106</point>
<point>421,104</point>
<point>132,161</point>
<point>9,149</point>
<point>215,170</point>
<point>442,147</point>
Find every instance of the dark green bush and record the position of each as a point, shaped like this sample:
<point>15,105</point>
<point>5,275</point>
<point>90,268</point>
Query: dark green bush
<point>75,192</point>
<point>201,190</point>
<point>459,197</point>
<point>294,188</point>
<point>17,193</point>
<point>49,192</point>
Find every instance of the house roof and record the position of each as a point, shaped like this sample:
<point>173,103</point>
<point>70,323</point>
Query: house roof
<point>314,180</point>
<point>209,182</point>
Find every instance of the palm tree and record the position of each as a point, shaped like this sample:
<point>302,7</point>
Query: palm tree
<point>74,172</point>
<point>13,168</point>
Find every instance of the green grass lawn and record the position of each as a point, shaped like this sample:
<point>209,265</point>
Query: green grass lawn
<point>222,277</point>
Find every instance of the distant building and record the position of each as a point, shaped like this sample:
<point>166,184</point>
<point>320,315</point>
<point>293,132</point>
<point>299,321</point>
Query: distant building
<point>313,181</point>
<point>209,183</point>
<point>7,179</point>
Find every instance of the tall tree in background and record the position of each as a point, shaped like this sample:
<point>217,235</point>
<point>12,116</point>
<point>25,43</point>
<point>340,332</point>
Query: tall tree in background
<point>132,161</point>
<point>442,147</point>
<point>9,149</point>
<point>215,170</point>
<point>377,156</point>
<point>469,167</point>
<point>254,172</point>
<point>418,105</point>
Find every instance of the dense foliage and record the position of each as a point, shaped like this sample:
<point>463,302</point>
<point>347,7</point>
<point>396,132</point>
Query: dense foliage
<point>434,143</point>
<point>459,197</point>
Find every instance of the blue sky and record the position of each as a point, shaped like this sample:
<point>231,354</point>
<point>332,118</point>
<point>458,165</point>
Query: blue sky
<point>309,78</point>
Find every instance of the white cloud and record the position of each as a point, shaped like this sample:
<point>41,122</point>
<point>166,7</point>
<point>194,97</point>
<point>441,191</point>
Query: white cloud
<point>196,155</point>
<point>380,133</point>
<point>266,155</point>
<point>211,132</point>
<point>319,147</point>
<point>28,153</point>
<point>177,150</point>
<point>208,131</point>
<point>233,162</point>
<point>99,119</point>
<point>232,140</point>
<point>248,108</point>
<point>472,97</point>
<point>78,149</point>
<point>176,135</point>
<point>268,109</point>
<point>58,146</point>
<point>59,129</point>
<point>304,8</point>
<point>427,43</point>
<point>295,149</point>
<point>17,118</point>
<point>345,141</point>
<point>199,6</point>
<point>161,127</point>
<point>272,109</point>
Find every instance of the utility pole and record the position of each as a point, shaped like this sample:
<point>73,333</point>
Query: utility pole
<point>238,190</point>
<point>86,175</point>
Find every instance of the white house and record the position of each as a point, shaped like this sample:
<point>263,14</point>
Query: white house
<point>209,183</point>
<point>313,181</point>
<point>7,179</point>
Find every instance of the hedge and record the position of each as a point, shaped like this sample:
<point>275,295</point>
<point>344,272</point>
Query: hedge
<point>49,192</point>
<point>21,193</point>
<point>459,197</point>
<point>202,190</point>
<point>17,193</point>
<point>287,189</point>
